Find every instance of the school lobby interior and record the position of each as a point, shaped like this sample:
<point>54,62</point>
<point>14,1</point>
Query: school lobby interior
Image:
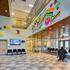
<point>32,32</point>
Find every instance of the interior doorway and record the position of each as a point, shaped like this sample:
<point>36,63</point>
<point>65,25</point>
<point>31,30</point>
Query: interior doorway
<point>3,46</point>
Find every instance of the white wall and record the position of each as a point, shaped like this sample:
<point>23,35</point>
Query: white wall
<point>64,9</point>
<point>11,34</point>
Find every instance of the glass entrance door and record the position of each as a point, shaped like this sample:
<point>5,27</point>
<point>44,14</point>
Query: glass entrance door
<point>67,44</point>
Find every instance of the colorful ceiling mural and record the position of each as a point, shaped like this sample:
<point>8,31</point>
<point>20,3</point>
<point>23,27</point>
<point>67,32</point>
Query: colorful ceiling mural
<point>47,16</point>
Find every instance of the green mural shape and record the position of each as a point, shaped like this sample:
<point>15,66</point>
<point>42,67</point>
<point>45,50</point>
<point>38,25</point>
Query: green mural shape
<point>57,4</point>
<point>40,25</point>
<point>38,19</point>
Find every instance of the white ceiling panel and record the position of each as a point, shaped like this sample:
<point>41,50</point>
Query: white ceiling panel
<point>23,5</point>
<point>20,11</point>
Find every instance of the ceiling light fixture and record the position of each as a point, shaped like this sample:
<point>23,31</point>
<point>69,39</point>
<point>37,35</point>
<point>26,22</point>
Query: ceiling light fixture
<point>25,23</point>
<point>29,17</point>
<point>13,13</point>
<point>6,10</point>
<point>30,5</point>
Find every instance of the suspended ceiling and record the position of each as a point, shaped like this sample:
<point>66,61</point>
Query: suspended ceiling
<point>19,19</point>
<point>22,5</point>
<point>20,11</point>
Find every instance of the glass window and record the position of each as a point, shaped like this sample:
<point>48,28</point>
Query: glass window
<point>67,44</point>
<point>64,31</point>
<point>61,43</point>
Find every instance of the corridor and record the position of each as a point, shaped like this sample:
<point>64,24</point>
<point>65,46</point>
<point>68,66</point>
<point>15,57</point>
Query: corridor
<point>32,61</point>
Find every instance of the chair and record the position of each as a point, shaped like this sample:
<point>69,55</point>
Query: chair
<point>14,51</point>
<point>69,50</point>
<point>19,51</point>
<point>23,51</point>
<point>9,51</point>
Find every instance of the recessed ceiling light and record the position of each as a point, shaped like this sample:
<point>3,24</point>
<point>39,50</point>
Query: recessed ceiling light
<point>6,10</point>
<point>25,23</point>
<point>30,5</point>
<point>29,17</point>
<point>63,26</point>
<point>13,13</point>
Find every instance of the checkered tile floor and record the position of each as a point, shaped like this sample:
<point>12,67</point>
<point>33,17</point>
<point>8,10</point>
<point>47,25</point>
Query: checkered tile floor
<point>32,61</point>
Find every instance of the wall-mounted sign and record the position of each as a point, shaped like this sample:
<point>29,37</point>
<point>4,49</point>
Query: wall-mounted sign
<point>15,42</point>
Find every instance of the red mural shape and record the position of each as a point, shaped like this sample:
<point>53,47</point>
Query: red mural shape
<point>40,20</point>
<point>47,21</point>
<point>35,22</point>
<point>58,29</point>
<point>17,32</point>
<point>51,4</point>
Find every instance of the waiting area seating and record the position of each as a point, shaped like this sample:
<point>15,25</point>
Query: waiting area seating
<point>52,49</point>
<point>47,50</point>
<point>9,51</point>
<point>16,51</point>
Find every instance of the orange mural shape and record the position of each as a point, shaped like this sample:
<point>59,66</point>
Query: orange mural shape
<point>50,10</point>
